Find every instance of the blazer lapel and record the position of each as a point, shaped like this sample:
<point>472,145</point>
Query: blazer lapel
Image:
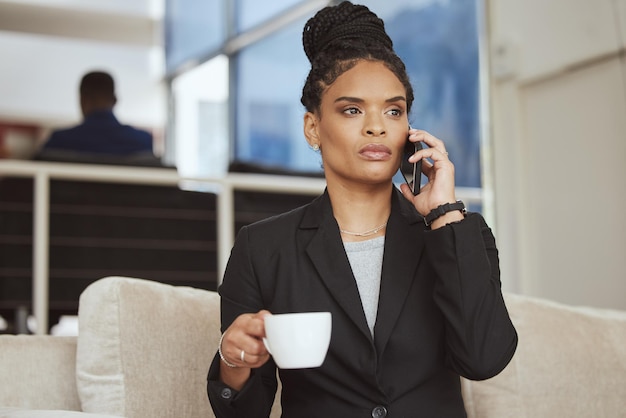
<point>331,262</point>
<point>403,249</point>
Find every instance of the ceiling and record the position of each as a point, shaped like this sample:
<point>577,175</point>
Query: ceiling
<point>109,25</point>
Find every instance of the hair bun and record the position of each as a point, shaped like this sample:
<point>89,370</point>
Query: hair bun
<point>346,21</point>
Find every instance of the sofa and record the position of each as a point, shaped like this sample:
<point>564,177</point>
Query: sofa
<point>144,348</point>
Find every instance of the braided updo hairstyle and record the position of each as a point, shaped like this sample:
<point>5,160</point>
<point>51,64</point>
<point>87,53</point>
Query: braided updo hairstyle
<point>336,39</point>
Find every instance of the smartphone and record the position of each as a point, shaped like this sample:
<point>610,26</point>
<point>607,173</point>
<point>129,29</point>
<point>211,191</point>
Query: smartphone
<point>412,172</point>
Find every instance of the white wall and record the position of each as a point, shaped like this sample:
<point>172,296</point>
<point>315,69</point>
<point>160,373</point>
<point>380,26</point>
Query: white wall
<point>558,112</point>
<point>47,45</point>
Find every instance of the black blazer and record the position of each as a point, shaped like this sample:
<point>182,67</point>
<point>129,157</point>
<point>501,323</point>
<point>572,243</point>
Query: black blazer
<point>440,315</point>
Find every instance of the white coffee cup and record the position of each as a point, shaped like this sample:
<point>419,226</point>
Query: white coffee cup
<point>298,340</point>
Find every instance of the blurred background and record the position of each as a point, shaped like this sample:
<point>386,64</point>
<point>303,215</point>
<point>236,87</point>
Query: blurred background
<point>529,96</point>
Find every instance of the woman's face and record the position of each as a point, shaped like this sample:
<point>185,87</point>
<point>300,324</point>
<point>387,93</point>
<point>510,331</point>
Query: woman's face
<point>362,126</point>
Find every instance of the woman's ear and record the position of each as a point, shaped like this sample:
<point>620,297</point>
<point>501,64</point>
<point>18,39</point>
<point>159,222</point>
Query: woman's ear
<point>310,130</point>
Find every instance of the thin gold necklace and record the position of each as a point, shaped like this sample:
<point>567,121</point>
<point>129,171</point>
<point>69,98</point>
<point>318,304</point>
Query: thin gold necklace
<point>366,233</point>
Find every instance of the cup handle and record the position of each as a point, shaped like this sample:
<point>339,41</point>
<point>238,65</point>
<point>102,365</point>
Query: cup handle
<point>267,345</point>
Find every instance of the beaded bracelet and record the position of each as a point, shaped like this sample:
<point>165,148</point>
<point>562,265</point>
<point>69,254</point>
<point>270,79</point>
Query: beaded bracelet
<point>219,350</point>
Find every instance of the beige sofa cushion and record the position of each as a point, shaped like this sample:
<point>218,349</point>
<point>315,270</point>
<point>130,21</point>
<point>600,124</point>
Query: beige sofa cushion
<point>144,348</point>
<point>570,362</point>
<point>46,379</point>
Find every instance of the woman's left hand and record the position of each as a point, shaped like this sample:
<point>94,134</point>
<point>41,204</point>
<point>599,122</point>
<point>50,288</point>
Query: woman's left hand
<point>438,169</point>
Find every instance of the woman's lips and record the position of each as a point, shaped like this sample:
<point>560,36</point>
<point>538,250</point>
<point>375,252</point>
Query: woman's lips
<point>375,152</point>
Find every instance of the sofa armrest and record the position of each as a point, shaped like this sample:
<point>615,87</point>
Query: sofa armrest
<point>38,372</point>
<point>570,361</point>
<point>46,413</point>
<point>144,348</point>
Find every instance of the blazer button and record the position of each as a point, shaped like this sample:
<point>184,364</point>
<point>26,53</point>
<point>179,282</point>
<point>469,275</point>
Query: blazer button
<point>379,412</point>
<point>226,393</point>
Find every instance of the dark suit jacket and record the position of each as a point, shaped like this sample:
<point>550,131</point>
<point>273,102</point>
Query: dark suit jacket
<point>440,315</point>
<point>100,133</point>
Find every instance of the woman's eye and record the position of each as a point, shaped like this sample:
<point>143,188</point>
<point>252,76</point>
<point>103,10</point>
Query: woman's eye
<point>351,110</point>
<point>396,112</point>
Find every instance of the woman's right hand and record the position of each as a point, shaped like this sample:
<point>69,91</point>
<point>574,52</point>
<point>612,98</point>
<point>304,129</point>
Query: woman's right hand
<point>242,346</point>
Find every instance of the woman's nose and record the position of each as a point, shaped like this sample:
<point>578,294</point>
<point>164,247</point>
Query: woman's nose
<point>374,127</point>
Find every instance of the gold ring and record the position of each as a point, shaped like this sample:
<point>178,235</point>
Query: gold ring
<point>243,356</point>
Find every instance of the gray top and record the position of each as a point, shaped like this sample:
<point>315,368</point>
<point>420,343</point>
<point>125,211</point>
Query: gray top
<point>366,260</point>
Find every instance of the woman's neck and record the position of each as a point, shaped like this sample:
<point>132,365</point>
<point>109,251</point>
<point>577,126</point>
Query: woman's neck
<point>362,212</point>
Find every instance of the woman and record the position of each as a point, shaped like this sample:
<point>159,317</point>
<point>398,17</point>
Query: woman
<point>414,306</point>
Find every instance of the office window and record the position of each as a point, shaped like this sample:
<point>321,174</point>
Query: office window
<point>200,119</point>
<point>269,79</point>
<point>437,39</point>
<point>253,12</point>
<point>193,28</point>
<point>438,42</point>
